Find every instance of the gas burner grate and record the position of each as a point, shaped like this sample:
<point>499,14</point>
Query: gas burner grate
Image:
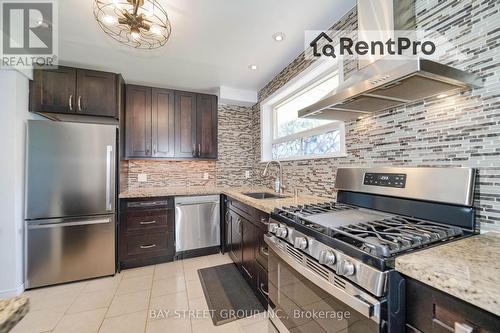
<point>387,237</point>
<point>311,209</point>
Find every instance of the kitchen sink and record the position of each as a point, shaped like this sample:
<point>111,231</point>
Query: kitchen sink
<point>264,195</point>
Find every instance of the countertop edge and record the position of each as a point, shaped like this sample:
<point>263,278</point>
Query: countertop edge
<point>451,281</point>
<point>265,205</point>
<point>12,311</point>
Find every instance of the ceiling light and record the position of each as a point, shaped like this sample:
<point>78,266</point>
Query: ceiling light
<point>252,67</point>
<point>108,19</point>
<point>141,24</point>
<point>156,30</point>
<point>279,36</point>
<point>442,95</point>
<point>135,35</point>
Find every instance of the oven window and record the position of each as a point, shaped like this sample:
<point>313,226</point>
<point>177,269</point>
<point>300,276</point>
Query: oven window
<point>301,306</point>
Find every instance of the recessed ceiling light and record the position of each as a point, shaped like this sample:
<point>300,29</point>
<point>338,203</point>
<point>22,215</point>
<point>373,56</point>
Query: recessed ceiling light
<point>252,67</point>
<point>279,36</point>
<point>442,96</point>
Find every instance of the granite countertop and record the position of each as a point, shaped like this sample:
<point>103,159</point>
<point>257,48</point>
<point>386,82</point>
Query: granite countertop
<point>12,310</point>
<point>468,269</point>
<point>266,205</point>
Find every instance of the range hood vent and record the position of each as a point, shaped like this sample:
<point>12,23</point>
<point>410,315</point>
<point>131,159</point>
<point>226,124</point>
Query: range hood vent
<point>388,83</point>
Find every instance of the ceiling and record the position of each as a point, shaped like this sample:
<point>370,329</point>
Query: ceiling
<point>212,43</point>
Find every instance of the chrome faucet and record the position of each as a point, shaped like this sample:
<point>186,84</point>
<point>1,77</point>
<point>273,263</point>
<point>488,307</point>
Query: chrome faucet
<point>278,183</point>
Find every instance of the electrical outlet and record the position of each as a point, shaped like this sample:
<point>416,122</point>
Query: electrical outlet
<point>205,175</point>
<point>142,177</point>
<point>247,174</point>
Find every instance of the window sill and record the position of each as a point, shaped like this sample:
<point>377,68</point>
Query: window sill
<point>305,158</point>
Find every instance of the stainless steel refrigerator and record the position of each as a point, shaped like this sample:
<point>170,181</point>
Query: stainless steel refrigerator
<point>70,202</point>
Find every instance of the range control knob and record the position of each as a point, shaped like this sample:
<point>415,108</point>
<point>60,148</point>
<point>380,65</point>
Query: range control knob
<point>345,268</point>
<point>327,257</point>
<point>282,232</point>
<point>300,243</point>
<point>272,227</point>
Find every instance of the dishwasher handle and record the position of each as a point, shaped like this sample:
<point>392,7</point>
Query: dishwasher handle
<point>198,203</point>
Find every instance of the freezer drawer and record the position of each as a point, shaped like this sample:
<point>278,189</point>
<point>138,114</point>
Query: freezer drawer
<point>197,222</point>
<point>64,250</point>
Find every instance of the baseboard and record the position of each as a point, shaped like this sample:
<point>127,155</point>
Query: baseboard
<point>12,292</point>
<point>197,252</point>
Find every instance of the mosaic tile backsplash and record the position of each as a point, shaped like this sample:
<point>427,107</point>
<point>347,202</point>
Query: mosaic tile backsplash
<point>461,130</point>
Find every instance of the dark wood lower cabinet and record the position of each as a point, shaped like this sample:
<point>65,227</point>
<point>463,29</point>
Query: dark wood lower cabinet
<point>244,229</point>
<point>432,311</point>
<point>146,231</point>
<point>248,244</point>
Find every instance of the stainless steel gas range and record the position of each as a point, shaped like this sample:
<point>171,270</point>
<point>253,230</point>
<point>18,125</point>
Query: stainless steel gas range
<point>331,265</point>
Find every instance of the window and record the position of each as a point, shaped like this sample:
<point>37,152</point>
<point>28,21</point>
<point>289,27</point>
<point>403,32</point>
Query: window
<point>286,136</point>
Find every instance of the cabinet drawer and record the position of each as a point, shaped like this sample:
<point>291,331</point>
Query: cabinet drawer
<point>262,285</point>
<point>147,204</point>
<point>150,244</point>
<point>263,219</point>
<point>146,220</point>
<point>261,249</point>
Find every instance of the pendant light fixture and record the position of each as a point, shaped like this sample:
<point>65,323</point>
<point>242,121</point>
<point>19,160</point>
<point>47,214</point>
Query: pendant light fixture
<point>142,24</point>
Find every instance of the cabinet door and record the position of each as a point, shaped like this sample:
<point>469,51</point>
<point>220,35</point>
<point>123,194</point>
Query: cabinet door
<point>53,90</point>
<point>163,122</point>
<point>249,238</point>
<point>227,230</point>
<point>138,121</point>
<point>206,113</point>
<point>185,124</point>
<point>235,244</point>
<point>96,93</point>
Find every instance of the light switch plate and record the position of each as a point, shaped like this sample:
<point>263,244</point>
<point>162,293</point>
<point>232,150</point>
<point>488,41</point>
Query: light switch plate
<point>205,175</point>
<point>142,177</point>
<point>247,174</point>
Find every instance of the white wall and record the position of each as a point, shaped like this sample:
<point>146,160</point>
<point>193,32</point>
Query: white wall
<point>13,115</point>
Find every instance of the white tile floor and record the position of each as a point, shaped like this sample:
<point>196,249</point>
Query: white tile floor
<point>123,303</point>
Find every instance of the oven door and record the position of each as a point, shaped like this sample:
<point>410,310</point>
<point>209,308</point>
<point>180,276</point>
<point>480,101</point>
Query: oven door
<point>306,297</point>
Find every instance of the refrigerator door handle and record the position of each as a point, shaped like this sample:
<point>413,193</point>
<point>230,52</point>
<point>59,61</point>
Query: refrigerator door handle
<point>109,156</point>
<point>66,224</point>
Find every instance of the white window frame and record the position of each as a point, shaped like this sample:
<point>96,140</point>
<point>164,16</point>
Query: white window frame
<point>308,77</point>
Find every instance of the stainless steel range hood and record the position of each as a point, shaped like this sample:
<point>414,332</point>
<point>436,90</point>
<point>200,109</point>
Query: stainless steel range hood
<point>386,83</point>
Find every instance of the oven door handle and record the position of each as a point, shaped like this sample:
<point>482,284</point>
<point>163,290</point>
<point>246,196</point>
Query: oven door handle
<point>352,296</point>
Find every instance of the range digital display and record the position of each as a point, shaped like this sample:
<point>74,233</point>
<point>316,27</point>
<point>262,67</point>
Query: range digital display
<point>397,180</point>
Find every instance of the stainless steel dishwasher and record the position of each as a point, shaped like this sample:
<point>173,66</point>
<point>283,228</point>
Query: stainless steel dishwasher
<point>197,223</point>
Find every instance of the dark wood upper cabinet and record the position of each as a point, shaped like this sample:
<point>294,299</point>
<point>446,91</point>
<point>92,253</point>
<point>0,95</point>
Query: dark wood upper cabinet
<point>138,121</point>
<point>68,90</point>
<point>185,124</point>
<point>53,90</point>
<point>162,123</point>
<point>206,120</point>
<point>95,94</point>
<point>163,127</point>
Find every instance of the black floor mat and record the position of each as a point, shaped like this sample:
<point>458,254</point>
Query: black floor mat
<point>228,295</point>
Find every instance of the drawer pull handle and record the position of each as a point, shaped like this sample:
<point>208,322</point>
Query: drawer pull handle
<point>147,222</point>
<point>261,287</point>
<point>148,246</point>
<point>264,251</point>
